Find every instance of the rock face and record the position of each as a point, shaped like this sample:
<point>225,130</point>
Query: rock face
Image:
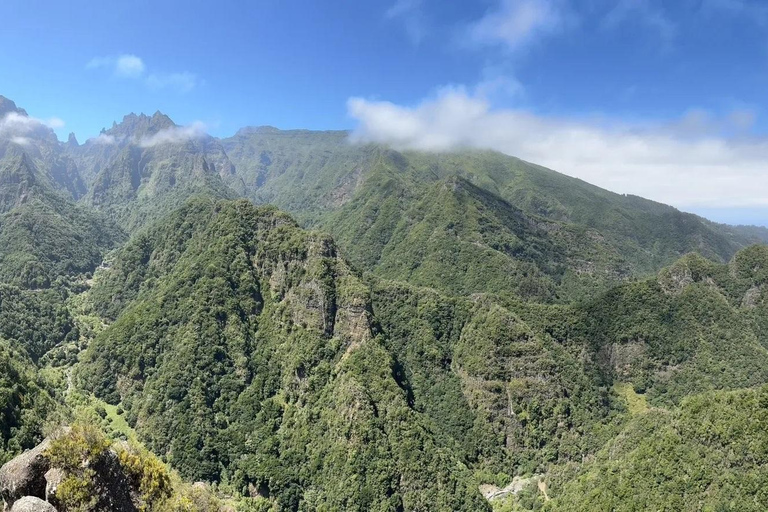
<point>53,479</point>
<point>25,475</point>
<point>29,483</point>
<point>32,504</point>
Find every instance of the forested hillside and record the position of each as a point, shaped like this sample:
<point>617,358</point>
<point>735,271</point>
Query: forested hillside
<point>709,454</point>
<point>417,331</point>
<point>292,393</point>
<point>316,174</point>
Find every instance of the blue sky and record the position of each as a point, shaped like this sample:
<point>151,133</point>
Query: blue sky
<point>622,93</point>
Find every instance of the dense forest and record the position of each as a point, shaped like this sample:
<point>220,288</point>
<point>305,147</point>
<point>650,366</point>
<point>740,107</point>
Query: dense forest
<point>284,321</point>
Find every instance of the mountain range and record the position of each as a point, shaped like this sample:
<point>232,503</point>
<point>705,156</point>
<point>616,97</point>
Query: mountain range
<point>298,322</point>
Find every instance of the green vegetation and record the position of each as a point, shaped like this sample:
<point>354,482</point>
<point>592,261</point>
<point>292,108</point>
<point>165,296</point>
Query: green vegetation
<point>137,183</point>
<point>292,394</point>
<point>98,474</point>
<point>636,403</point>
<point>710,454</point>
<point>476,320</point>
<point>363,194</point>
<point>44,238</point>
<point>25,402</point>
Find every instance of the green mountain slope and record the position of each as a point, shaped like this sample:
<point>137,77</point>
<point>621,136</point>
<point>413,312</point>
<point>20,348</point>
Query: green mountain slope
<point>323,179</point>
<point>708,455</point>
<point>41,146</point>
<point>304,172</point>
<point>465,240</point>
<point>43,235</point>
<point>500,384</point>
<point>250,352</point>
<point>150,167</point>
<point>698,327</point>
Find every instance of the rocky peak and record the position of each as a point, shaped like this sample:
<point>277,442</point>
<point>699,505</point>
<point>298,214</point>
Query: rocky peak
<point>140,125</point>
<point>72,141</point>
<point>7,106</point>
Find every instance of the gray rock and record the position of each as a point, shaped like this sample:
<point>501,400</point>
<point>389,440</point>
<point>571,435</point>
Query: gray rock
<point>53,479</point>
<point>32,504</point>
<point>25,475</point>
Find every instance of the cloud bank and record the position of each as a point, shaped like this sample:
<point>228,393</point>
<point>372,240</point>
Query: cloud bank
<point>695,161</point>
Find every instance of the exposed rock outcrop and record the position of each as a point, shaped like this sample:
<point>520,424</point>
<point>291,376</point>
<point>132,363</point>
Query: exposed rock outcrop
<point>32,504</point>
<point>53,479</point>
<point>25,475</point>
<point>31,481</point>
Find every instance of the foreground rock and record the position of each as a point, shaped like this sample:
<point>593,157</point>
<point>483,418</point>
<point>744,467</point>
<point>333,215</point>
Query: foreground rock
<point>25,475</point>
<point>32,504</point>
<point>53,479</point>
<point>31,482</point>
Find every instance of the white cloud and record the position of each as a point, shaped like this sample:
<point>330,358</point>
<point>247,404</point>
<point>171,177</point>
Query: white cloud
<point>15,125</point>
<point>126,66</point>
<point>183,82</point>
<point>692,162</point>
<point>103,139</point>
<point>54,122</point>
<point>129,66</point>
<point>175,135</point>
<point>516,23</point>
<point>21,141</point>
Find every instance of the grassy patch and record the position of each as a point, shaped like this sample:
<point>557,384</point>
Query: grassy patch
<point>636,403</point>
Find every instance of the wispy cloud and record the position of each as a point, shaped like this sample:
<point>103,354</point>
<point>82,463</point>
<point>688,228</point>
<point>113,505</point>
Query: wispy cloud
<point>183,82</point>
<point>411,14</point>
<point>175,135</point>
<point>517,23</point>
<point>133,67</point>
<point>54,122</point>
<point>103,139</point>
<point>21,141</point>
<point>695,161</point>
<point>643,12</point>
<point>126,66</point>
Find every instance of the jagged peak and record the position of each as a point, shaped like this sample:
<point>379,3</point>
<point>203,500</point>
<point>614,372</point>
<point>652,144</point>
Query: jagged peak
<point>72,140</point>
<point>139,125</point>
<point>7,106</point>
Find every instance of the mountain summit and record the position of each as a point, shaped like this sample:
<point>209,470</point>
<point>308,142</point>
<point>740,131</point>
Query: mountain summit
<point>142,125</point>
<point>7,106</point>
